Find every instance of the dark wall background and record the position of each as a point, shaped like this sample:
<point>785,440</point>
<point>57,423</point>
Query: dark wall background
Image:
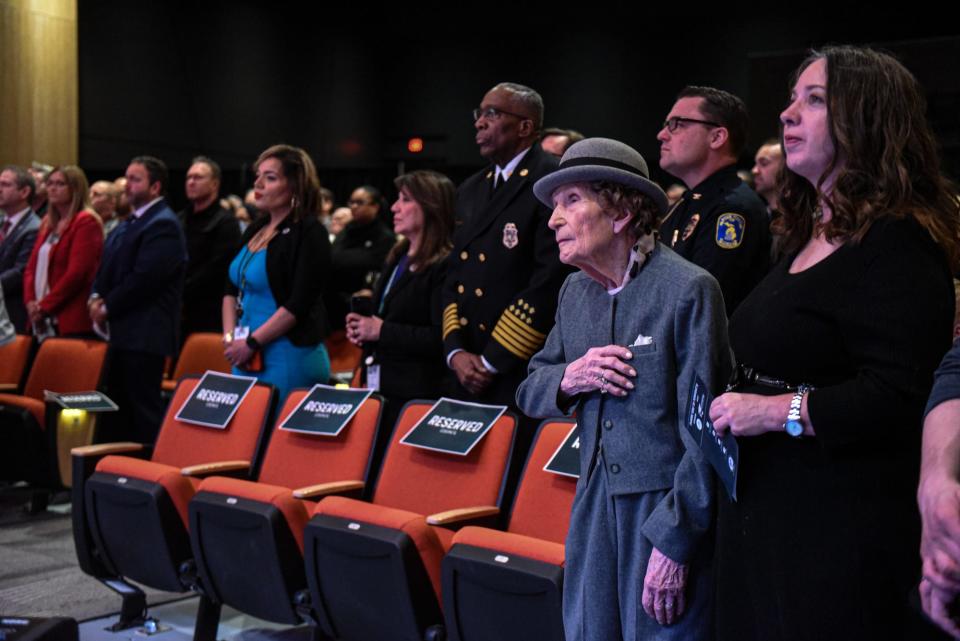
<point>351,85</point>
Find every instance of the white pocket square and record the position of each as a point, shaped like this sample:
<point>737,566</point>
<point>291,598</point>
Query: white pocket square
<point>642,340</point>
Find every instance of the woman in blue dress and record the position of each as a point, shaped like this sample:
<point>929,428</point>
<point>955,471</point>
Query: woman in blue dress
<point>273,315</point>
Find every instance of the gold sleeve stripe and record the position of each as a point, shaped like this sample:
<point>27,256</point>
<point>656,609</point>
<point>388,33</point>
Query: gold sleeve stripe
<point>508,345</point>
<point>451,321</point>
<point>522,328</point>
<point>521,340</point>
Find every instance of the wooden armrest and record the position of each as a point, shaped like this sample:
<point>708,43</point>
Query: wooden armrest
<point>218,467</point>
<point>8,387</point>
<point>104,449</point>
<point>462,514</point>
<point>323,489</point>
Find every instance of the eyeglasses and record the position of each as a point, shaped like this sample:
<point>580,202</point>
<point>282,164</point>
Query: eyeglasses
<point>672,124</point>
<point>492,113</point>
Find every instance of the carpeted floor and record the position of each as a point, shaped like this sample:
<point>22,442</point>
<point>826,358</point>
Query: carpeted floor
<point>39,574</point>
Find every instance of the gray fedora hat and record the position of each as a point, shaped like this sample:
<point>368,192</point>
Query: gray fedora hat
<point>600,159</point>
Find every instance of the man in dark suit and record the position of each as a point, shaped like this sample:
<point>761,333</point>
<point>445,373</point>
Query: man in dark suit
<point>136,300</point>
<point>500,292</point>
<point>18,232</point>
<point>213,237</point>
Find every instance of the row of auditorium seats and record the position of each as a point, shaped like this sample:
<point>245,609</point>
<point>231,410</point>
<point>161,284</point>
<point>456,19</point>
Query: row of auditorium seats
<point>35,442</point>
<point>294,528</point>
<point>201,352</point>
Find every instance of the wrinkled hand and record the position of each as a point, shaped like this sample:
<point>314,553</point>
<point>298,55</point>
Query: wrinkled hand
<point>363,329</point>
<point>471,372</point>
<point>749,414</point>
<point>939,500</point>
<point>939,606</point>
<point>663,589</point>
<point>237,353</point>
<point>601,368</point>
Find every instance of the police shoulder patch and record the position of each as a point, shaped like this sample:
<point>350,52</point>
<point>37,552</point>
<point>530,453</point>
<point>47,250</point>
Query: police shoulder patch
<point>730,228</point>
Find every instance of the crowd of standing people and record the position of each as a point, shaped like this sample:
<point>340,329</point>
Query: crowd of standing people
<point>561,280</point>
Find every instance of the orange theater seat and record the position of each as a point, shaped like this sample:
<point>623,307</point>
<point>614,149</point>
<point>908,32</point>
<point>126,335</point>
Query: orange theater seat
<point>248,537</point>
<point>61,365</point>
<point>201,352</point>
<point>508,585</point>
<point>130,516</point>
<point>374,568</point>
<point>344,355</point>
<point>13,362</point>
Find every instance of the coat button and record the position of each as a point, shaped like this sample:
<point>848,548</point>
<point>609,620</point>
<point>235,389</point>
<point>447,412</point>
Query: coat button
<point>482,257</point>
<point>460,288</point>
<point>464,255</point>
<point>614,468</point>
<point>483,327</point>
<point>478,292</point>
<point>463,321</point>
<point>608,424</point>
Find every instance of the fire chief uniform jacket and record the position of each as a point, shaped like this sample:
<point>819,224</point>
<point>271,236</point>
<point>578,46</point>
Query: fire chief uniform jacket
<point>500,293</point>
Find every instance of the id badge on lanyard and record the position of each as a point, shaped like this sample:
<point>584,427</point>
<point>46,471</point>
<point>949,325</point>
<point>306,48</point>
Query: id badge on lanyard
<point>373,374</point>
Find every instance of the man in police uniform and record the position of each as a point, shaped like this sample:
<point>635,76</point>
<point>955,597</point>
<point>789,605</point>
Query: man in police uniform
<point>720,224</point>
<point>500,292</point>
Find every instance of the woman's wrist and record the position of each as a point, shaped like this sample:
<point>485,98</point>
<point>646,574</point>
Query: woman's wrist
<point>777,410</point>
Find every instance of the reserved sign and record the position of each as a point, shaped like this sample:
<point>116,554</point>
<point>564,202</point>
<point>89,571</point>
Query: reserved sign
<point>93,401</point>
<point>723,453</point>
<point>454,427</point>
<point>215,399</point>
<point>325,410</point>
<point>566,460</point>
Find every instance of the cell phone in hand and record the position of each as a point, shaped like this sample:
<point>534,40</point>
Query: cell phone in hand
<point>362,305</point>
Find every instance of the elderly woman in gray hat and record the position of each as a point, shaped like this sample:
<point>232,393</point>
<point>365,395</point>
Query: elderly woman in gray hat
<point>635,326</point>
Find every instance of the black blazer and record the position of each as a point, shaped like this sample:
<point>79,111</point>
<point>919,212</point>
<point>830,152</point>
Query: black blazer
<point>410,350</point>
<point>500,293</point>
<point>298,264</point>
<point>14,256</point>
<point>141,281</point>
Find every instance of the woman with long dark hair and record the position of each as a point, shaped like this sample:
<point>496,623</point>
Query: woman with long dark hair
<point>403,350</point>
<point>835,352</point>
<point>273,314</point>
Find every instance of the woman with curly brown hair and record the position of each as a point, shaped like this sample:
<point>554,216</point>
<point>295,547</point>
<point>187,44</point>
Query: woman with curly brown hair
<point>836,350</point>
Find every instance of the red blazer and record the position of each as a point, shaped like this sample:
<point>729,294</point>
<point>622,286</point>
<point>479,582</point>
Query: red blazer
<point>73,265</point>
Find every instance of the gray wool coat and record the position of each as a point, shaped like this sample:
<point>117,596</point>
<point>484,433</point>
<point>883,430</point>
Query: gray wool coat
<point>646,446</point>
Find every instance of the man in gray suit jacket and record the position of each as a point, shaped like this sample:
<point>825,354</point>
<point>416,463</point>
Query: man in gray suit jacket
<point>633,330</point>
<point>6,328</point>
<point>18,232</point>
